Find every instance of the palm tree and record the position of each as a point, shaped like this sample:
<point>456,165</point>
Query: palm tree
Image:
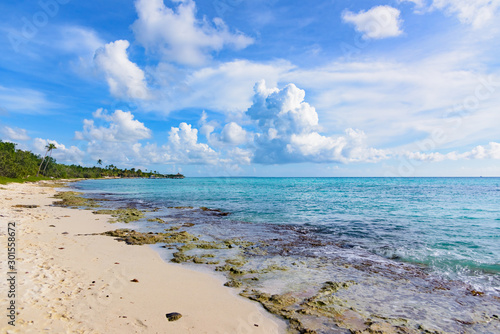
<point>49,148</point>
<point>99,162</point>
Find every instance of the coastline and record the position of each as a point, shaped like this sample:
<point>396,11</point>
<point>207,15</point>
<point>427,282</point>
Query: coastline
<point>69,280</point>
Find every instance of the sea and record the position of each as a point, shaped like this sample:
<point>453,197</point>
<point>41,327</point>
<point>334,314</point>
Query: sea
<point>396,238</point>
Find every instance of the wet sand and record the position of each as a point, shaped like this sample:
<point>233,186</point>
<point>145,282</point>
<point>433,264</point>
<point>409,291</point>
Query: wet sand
<point>71,281</point>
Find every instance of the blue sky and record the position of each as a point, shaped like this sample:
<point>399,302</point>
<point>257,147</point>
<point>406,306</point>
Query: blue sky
<point>271,88</point>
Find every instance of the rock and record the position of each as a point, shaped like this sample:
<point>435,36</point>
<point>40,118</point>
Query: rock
<point>26,206</point>
<point>173,316</point>
<point>233,284</point>
<point>135,280</point>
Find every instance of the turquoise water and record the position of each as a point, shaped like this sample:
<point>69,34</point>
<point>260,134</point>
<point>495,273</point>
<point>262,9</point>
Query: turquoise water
<point>449,225</point>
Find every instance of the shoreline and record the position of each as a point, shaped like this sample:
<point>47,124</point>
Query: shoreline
<point>319,294</point>
<point>71,281</point>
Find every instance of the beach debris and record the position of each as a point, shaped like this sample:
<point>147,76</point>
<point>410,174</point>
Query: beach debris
<point>173,316</point>
<point>135,280</point>
<point>52,225</point>
<point>26,206</point>
<point>65,233</point>
<point>476,293</point>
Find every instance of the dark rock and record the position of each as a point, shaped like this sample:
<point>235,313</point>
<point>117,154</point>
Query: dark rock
<point>173,316</point>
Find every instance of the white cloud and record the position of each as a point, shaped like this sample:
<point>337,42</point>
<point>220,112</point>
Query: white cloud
<point>477,13</point>
<point>117,141</point>
<point>179,36</point>
<point>125,78</point>
<point>233,134</point>
<point>122,128</point>
<point>62,154</point>
<point>287,131</point>
<point>490,151</point>
<point>14,134</point>
<point>418,3</point>
<point>396,104</point>
<point>240,156</point>
<point>377,23</point>
<point>226,87</point>
<point>282,110</point>
<point>78,40</point>
<point>183,147</point>
<point>24,101</point>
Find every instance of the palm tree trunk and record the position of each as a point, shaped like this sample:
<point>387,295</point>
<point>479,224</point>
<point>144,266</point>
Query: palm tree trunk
<point>41,163</point>
<point>48,160</point>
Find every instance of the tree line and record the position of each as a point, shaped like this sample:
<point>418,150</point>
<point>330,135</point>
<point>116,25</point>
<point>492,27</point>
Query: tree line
<point>20,164</point>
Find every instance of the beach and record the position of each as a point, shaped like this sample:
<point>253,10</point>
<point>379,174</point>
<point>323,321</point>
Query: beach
<point>70,280</point>
<point>98,256</point>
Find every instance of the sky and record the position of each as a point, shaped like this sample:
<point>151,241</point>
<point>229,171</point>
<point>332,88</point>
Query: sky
<point>256,88</point>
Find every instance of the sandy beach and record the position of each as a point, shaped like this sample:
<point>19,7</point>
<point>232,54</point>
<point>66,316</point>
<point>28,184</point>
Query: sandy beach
<point>70,281</point>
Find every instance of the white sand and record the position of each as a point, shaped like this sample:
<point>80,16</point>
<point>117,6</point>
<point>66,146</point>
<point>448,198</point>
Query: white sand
<point>55,289</point>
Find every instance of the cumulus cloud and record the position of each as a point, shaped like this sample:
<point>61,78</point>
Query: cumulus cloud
<point>288,131</point>
<point>183,146</point>
<point>282,110</point>
<point>62,153</point>
<point>377,23</point>
<point>179,36</point>
<point>122,128</point>
<point>234,134</point>
<point>125,78</point>
<point>13,134</point>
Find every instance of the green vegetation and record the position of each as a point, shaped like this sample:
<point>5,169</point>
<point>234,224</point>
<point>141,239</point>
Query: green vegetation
<point>21,166</point>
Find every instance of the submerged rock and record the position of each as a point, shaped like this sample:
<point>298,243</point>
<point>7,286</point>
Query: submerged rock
<point>122,215</point>
<point>180,257</point>
<point>132,237</point>
<point>217,212</point>
<point>158,220</point>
